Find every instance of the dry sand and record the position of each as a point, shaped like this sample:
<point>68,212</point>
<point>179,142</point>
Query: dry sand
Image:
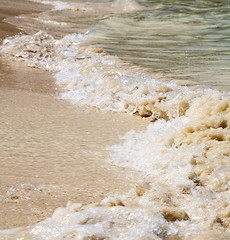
<point>51,151</point>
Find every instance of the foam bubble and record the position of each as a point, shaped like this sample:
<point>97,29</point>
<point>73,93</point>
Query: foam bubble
<point>91,77</point>
<point>182,157</point>
<point>185,159</point>
<point>61,5</point>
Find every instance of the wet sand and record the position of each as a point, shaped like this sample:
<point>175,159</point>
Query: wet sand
<point>14,8</point>
<point>52,152</point>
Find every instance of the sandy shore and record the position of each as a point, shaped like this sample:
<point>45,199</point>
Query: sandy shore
<point>52,152</point>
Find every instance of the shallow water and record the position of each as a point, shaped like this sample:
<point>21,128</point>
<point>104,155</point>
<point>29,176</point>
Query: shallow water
<point>182,157</point>
<point>181,40</point>
<point>52,153</point>
<point>186,41</point>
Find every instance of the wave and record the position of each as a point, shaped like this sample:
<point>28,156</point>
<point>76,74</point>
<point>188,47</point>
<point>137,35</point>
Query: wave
<point>182,157</point>
<point>91,77</point>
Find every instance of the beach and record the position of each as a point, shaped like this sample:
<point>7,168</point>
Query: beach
<point>52,152</point>
<point>115,120</point>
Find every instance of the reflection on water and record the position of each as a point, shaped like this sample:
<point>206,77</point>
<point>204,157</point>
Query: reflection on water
<point>187,40</point>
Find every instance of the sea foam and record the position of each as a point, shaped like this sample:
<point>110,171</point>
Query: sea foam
<point>182,157</point>
<point>91,77</point>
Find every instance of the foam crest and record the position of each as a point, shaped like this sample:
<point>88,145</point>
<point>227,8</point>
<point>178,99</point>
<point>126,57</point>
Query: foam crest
<point>91,77</point>
<point>61,5</point>
<point>100,222</point>
<point>92,6</point>
<point>182,157</point>
<point>187,158</point>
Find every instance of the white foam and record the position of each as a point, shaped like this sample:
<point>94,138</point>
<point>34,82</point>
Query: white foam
<point>183,157</point>
<point>61,5</point>
<point>91,77</point>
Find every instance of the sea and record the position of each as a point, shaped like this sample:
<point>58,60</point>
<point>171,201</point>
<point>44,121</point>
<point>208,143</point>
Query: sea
<point>167,61</point>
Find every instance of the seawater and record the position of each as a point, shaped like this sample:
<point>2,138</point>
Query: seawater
<point>186,40</point>
<point>183,155</point>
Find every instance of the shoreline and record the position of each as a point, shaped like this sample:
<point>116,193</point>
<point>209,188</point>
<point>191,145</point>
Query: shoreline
<point>53,155</point>
<point>52,151</point>
<point>14,8</point>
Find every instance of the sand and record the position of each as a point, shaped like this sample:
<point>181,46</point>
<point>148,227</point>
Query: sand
<point>52,152</point>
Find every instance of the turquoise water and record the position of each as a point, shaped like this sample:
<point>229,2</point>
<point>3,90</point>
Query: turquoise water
<point>185,40</point>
